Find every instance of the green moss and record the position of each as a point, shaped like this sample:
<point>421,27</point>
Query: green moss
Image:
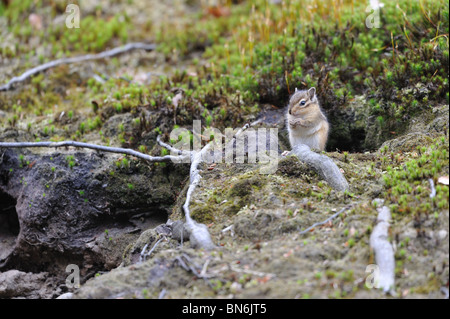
<point>244,186</point>
<point>290,166</point>
<point>400,179</point>
<point>204,214</point>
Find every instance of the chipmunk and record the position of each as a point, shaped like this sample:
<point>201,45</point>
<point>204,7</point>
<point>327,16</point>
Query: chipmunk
<point>305,120</point>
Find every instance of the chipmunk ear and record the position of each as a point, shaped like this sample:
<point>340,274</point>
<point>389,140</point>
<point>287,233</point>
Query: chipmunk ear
<point>312,93</point>
<point>296,90</point>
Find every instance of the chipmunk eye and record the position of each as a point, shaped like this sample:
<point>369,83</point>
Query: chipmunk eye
<point>303,102</point>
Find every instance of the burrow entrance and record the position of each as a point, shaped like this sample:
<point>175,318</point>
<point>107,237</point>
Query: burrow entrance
<point>9,224</point>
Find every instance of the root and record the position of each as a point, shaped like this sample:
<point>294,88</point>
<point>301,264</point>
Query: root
<point>323,165</point>
<point>102,55</point>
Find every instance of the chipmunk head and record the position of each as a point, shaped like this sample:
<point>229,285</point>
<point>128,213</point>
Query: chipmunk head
<point>301,100</point>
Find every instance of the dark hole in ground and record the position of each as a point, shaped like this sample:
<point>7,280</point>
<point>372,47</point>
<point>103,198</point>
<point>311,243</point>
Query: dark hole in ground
<point>351,140</point>
<point>9,224</point>
<point>149,220</point>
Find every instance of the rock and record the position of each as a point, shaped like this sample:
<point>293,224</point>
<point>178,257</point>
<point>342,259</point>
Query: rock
<point>15,283</point>
<point>440,122</point>
<point>442,234</point>
<point>407,142</point>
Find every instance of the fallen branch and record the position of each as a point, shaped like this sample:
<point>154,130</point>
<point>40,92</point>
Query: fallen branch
<point>323,165</point>
<point>190,266</point>
<point>325,221</point>
<point>433,190</point>
<point>170,147</point>
<point>162,293</point>
<point>52,64</point>
<point>199,235</point>
<point>144,255</point>
<point>251,272</point>
<point>205,267</point>
<point>384,253</point>
<point>119,150</point>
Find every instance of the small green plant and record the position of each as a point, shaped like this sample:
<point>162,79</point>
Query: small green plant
<point>107,235</point>
<point>158,130</point>
<point>164,152</point>
<point>142,149</point>
<point>208,120</point>
<point>145,293</point>
<point>351,242</point>
<point>346,157</point>
<point>125,163</point>
<point>118,106</point>
<point>70,159</point>
<point>22,161</point>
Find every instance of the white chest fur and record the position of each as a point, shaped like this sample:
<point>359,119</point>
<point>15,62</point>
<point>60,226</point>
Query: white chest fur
<point>305,135</point>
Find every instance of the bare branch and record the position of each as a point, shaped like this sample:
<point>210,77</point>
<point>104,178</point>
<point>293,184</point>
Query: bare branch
<point>384,253</point>
<point>144,255</point>
<point>199,235</point>
<point>252,272</point>
<point>433,190</point>
<point>162,293</point>
<point>119,150</point>
<point>325,221</point>
<point>189,265</point>
<point>323,165</point>
<point>52,64</point>
<point>171,148</point>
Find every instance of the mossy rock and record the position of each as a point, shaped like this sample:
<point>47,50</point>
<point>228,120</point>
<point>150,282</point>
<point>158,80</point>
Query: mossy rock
<point>245,186</point>
<point>291,166</point>
<point>204,214</point>
<point>407,143</point>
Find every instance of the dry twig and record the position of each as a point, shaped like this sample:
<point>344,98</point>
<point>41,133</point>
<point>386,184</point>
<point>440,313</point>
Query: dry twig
<point>119,150</point>
<point>323,165</point>
<point>52,64</point>
<point>384,253</point>
<point>325,221</point>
